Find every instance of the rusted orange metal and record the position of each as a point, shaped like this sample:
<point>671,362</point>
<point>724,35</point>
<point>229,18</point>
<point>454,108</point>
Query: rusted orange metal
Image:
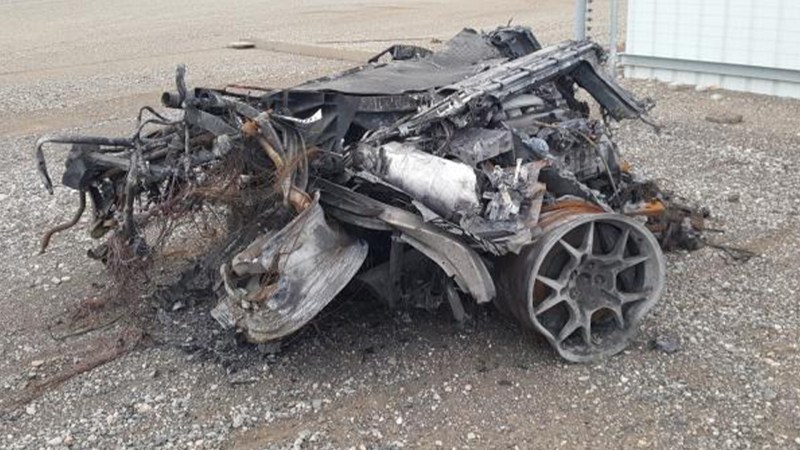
<point>562,210</point>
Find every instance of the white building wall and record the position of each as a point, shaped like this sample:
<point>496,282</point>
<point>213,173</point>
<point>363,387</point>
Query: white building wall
<point>744,45</point>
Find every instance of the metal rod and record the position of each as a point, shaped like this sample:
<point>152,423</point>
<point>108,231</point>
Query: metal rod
<point>395,270</point>
<point>612,45</point>
<point>580,20</point>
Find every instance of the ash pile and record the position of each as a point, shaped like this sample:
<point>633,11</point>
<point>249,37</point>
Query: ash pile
<point>485,171</point>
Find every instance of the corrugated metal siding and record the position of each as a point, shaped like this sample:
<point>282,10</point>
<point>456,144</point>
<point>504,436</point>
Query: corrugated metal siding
<point>745,39</point>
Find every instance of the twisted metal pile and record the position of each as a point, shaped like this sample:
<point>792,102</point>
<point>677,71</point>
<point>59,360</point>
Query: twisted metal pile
<point>472,171</point>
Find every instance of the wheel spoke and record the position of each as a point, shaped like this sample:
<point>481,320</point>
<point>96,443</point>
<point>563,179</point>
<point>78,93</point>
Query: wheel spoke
<point>548,303</point>
<point>572,324</point>
<point>612,295</point>
<point>620,298</point>
<point>627,263</point>
<point>628,297</point>
<point>622,241</point>
<point>555,285</point>
<point>618,317</point>
<point>588,240</point>
<point>577,254</point>
<point>587,331</point>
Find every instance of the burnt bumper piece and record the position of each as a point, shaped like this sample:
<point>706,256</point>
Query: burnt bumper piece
<point>283,279</point>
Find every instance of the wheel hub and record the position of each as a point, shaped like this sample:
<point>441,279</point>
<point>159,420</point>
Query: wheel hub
<point>588,284</point>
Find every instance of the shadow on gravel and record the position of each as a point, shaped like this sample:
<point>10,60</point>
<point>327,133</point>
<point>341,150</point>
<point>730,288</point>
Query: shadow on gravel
<point>350,333</point>
<point>354,324</point>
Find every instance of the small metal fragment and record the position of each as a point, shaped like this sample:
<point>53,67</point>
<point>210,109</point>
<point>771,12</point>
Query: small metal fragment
<point>666,343</point>
<point>242,45</point>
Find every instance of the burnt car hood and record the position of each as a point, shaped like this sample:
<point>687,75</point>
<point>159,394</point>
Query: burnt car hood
<point>466,54</point>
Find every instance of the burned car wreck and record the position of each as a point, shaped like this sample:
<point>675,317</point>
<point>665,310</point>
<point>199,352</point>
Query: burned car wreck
<point>486,170</point>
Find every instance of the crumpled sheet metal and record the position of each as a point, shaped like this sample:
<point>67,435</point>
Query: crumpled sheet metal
<point>288,276</point>
<point>458,260</point>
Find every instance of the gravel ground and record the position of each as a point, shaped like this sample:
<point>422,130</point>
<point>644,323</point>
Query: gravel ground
<point>361,376</point>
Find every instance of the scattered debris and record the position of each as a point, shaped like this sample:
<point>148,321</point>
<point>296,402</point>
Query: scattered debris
<point>733,254</point>
<point>706,87</point>
<point>725,118</point>
<point>119,345</point>
<point>678,86</point>
<point>474,171</point>
<point>242,45</point>
<point>666,343</point>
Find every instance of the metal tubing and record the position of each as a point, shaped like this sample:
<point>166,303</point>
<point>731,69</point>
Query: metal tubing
<point>580,20</point>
